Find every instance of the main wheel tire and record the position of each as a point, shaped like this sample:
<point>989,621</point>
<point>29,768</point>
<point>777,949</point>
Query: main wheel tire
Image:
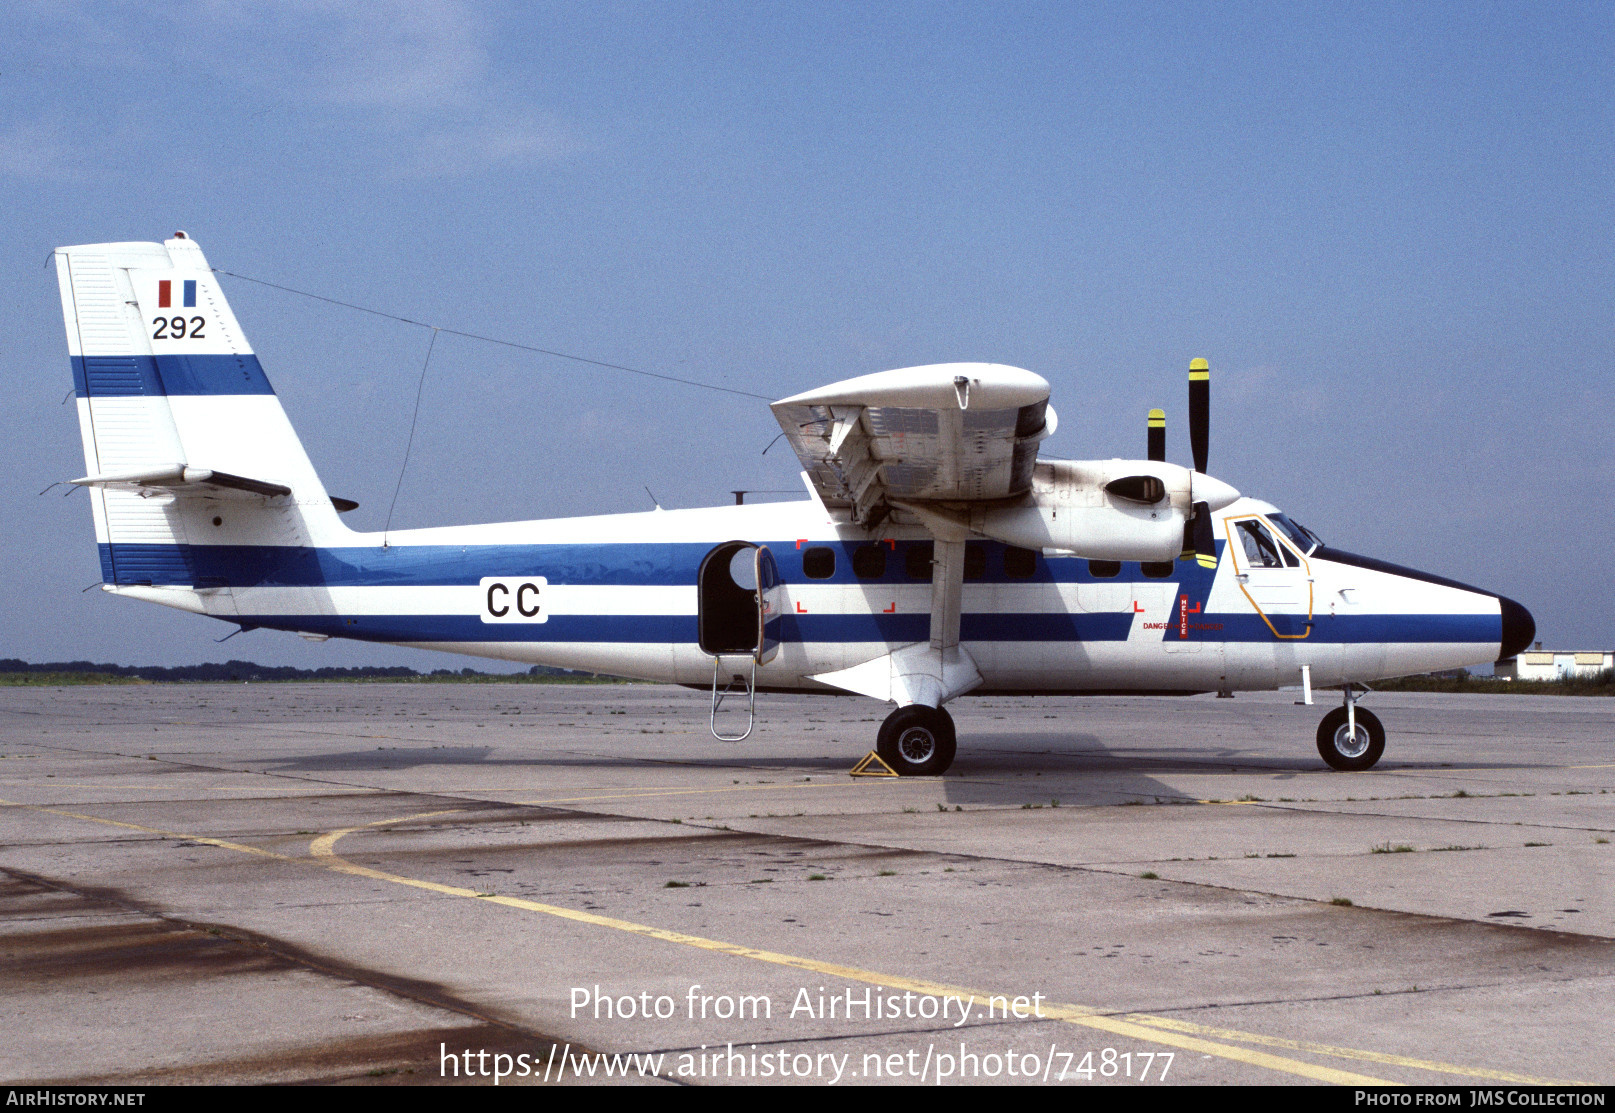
<point>1341,750</point>
<point>917,741</point>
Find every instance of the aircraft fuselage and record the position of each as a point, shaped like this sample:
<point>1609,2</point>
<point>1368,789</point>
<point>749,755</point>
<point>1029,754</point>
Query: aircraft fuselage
<point>619,594</point>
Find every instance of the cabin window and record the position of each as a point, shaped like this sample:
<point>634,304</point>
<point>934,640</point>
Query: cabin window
<point>818,563</point>
<point>1157,569</point>
<point>1104,569</point>
<point>975,560</point>
<point>869,562</point>
<point>1019,564</point>
<point>917,561</point>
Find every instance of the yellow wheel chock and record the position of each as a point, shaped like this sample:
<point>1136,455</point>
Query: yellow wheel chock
<point>863,768</point>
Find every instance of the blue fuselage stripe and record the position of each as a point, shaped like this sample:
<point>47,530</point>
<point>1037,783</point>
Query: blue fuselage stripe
<point>895,629</point>
<point>675,564</point>
<point>654,629</point>
<point>646,564</point>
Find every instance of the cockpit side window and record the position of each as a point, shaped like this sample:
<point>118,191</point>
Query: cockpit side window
<point>1304,538</point>
<point>1261,551</point>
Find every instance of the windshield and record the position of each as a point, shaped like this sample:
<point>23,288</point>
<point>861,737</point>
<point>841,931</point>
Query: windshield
<point>1304,538</point>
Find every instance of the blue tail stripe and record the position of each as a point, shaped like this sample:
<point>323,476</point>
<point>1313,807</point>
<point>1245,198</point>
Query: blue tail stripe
<point>154,376</point>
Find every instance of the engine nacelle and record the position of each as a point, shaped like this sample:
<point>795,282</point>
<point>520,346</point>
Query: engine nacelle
<point>1101,509</point>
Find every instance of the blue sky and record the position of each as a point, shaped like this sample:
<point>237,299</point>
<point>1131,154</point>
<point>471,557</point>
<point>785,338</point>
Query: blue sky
<point>1389,228</point>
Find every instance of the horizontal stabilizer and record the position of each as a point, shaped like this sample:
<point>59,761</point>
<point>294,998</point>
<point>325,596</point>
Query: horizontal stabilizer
<point>179,479</point>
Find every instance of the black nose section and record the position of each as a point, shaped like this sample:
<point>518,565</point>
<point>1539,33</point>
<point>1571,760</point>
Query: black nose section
<point>1518,628</point>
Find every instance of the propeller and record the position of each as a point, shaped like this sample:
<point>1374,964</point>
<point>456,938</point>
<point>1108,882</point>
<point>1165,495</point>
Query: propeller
<point>1198,537</point>
<point>1199,411</point>
<point>1157,435</point>
<point>1205,542</point>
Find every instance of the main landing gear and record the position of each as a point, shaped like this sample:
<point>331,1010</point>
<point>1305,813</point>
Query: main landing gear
<point>917,741</point>
<point>1350,738</point>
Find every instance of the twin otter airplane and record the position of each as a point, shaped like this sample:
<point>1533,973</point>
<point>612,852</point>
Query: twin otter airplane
<point>935,555</point>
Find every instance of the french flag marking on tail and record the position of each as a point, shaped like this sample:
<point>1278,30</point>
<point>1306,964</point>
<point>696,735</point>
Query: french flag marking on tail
<point>165,293</point>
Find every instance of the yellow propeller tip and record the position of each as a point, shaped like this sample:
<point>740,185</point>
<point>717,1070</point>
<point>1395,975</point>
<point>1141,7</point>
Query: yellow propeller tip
<point>1199,365</point>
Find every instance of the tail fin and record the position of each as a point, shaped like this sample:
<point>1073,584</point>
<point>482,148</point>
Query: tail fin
<point>185,443</point>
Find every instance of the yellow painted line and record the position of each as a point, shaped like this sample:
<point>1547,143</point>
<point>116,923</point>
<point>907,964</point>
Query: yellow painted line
<point>1344,1052</point>
<point>204,840</point>
<point>324,848</point>
<point>223,844</point>
<point>635,795</point>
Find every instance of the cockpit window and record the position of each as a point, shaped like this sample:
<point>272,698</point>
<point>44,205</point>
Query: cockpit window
<point>1304,538</point>
<point>1261,551</point>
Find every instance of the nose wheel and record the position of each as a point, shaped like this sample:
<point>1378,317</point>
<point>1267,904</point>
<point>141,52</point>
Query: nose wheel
<point>917,741</point>
<point>1345,748</point>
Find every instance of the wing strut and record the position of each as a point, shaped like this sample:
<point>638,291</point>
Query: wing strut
<point>929,672</point>
<point>947,592</point>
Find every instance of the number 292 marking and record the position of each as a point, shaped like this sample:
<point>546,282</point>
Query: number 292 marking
<point>173,328</point>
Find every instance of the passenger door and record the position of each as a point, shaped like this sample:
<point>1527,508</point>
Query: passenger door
<point>770,604</point>
<point>740,602</point>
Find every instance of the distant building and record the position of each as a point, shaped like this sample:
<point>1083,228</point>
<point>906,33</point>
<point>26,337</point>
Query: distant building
<point>1555,664</point>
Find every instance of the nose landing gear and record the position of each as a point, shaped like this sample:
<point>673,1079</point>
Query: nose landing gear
<point>1350,738</point>
<point>917,741</point>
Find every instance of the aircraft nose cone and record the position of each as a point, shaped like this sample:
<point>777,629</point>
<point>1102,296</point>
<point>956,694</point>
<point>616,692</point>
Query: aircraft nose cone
<point>1213,492</point>
<point>1518,628</point>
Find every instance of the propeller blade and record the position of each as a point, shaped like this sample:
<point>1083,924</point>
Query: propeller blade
<point>1205,542</point>
<point>1199,411</point>
<point>1157,435</point>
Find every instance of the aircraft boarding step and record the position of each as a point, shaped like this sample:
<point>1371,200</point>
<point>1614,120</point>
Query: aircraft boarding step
<point>718,697</point>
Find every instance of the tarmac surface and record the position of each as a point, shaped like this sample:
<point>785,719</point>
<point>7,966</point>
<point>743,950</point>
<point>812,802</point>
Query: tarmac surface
<point>330,882</point>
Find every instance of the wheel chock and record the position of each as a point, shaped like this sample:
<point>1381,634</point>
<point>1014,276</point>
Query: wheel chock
<point>862,769</point>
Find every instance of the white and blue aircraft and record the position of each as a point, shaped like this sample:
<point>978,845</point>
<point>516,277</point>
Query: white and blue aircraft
<point>936,555</point>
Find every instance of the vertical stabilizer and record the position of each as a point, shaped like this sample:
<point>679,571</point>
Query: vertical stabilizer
<point>185,443</point>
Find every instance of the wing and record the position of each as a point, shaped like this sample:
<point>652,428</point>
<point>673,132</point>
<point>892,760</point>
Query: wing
<point>949,432</point>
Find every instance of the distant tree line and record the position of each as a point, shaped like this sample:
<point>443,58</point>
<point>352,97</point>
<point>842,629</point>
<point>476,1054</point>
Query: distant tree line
<point>1461,680</point>
<point>240,671</point>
